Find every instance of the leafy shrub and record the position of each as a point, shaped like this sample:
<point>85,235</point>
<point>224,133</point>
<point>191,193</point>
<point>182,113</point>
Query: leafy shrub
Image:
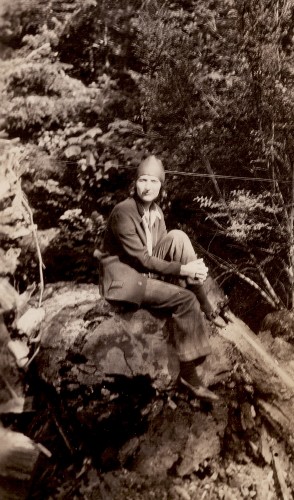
<point>245,217</point>
<point>43,79</point>
<point>28,115</point>
<point>19,18</point>
<point>41,96</point>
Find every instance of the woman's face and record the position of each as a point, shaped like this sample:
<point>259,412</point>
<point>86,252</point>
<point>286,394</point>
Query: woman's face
<point>148,187</point>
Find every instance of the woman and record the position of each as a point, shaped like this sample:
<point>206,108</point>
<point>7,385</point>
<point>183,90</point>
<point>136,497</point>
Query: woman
<point>137,235</point>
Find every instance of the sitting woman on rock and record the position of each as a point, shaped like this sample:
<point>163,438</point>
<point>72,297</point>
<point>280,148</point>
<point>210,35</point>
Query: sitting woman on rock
<point>140,254</point>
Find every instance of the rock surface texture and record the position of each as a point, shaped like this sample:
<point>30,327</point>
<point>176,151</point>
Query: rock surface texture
<point>85,336</point>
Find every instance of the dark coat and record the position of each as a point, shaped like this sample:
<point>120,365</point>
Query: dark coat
<point>120,282</point>
<point>125,238</point>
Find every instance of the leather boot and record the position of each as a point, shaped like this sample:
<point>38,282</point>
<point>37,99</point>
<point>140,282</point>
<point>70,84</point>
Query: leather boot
<point>190,379</point>
<point>206,307</point>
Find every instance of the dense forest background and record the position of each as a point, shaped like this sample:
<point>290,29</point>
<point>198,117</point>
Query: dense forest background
<point>90,88</point>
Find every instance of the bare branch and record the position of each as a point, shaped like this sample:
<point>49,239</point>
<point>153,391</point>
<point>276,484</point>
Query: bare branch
<point>41,265</point>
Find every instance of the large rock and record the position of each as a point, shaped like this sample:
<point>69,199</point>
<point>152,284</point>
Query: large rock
<point>109,376</point>
<point>280,324</point>
<point>89,340</point>
<point>101,367</point>
<point>85,337</point>
<point>107,366</point>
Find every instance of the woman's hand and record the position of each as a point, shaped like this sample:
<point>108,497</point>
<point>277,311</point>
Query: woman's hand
<point>195,270</point>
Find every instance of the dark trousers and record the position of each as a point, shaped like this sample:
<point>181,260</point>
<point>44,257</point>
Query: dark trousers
<point>190,335</point>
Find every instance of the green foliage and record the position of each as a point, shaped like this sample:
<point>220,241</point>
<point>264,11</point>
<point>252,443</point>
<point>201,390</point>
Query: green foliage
<point>189,68</point>
<point>21,17</point>
<point>77,134</point>
<point>28,115</point>
<point>98,38</point>
<point>218,98</point>
<point>245,217</point>
<point>207,85</point>
<point>216,76</point>
<point>41,78</point>
<point>42,96</point>
<point>73,221</point>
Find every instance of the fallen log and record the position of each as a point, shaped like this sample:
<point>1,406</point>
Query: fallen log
<point>271,379</point>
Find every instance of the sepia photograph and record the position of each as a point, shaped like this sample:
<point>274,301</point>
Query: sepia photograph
<point>147,249</point>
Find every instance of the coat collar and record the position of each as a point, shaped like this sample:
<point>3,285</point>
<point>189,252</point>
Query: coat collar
<point>154,210</point>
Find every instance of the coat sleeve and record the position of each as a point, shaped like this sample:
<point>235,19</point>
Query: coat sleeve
<point>124,229</point>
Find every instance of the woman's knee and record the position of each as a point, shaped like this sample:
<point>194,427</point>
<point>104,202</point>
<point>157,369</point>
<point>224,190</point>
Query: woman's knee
<point>178,236</point>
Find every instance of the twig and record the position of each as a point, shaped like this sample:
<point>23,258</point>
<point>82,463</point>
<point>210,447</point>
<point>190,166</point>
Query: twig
<point>62,434</point>
<point>10,389</point>
<point>41,264</point>
<point>263,293</point>
<point>232,269</point>
<point>27,364</point>
<point>44,450</point>
<point>271,292</point>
